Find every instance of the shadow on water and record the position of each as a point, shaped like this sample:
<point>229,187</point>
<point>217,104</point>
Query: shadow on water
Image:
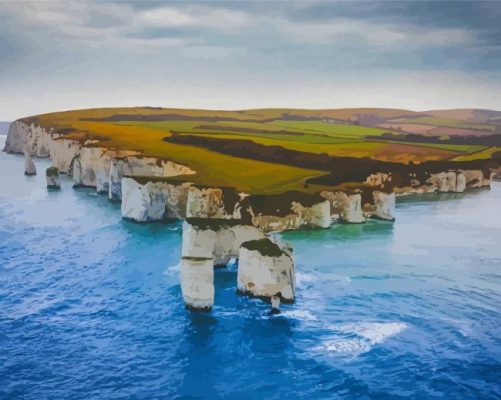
<point>344,232</point>
<point>439,197</point>
<point>150,229</point>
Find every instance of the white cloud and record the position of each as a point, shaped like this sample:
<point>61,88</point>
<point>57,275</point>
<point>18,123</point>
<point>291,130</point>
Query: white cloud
<point>165,17</point>
<point>352,32</point>
<point>218,19</point>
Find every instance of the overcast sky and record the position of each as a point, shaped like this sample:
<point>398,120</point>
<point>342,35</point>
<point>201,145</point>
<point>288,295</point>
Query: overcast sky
<point>232,55</point>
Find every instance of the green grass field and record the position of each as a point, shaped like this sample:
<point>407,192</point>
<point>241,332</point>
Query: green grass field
<point>305,131</point>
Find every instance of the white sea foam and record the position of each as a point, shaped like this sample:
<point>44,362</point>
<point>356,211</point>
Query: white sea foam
<point>303,279</point>
<point>463,327</point>
<point>357,338</point>
<point>374,332</point>
<point>303,315</point>
<point>172,270</point>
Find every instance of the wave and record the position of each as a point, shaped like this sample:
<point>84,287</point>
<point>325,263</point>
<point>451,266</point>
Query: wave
<point>303,315</point>
<point>357,338</point>
<point>173,270</point>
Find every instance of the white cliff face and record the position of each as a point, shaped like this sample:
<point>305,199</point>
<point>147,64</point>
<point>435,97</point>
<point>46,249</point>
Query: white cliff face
<point>93,167</point>
<point>29,166</point>
<point>117,169</point>
<point>197,282</point>
<point>384,205</point>
<point>132,164</point>
<point>444,181</point>
<point>275,223</point>
<point>345,207</point>
<point>221,243</point>
<point>474,178</point>
<point>177,198</point>
<point>265,274</point>
<point>460,182</point>
<point>153,201</point>
<point>315,216</point>
<point>143,203</point>
<point>318,215</point>
<point>209,203</point>
<point>452,181</point>
<point>15,142</point>
<point>28,138</point>
<point>62,153</point>
<point>89,164</point>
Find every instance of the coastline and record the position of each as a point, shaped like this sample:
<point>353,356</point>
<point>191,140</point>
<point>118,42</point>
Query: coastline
<point>219,221</point>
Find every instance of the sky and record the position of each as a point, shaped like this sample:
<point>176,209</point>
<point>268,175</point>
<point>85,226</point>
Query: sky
<point>417,55</point>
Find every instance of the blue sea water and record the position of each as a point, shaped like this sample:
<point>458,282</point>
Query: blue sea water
<point>91,307</point>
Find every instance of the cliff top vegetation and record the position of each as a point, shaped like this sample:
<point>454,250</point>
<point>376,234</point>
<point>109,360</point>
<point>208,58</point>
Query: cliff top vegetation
<point>275,150</point>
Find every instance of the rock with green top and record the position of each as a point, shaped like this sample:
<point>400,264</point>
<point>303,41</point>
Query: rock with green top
<point>52,175</point>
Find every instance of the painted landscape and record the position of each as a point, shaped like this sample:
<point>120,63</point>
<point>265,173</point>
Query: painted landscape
<point>263,200</point>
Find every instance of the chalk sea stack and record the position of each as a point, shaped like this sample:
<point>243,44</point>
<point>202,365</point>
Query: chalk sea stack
<point>52,176</point>
<point>29,166</point>
<point>197,282</point>
<point>266,269</point>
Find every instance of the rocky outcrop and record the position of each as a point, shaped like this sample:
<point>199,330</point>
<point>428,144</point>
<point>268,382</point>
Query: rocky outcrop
<point>475,179</point>
<point>28,138</point>
<point>29,166</point>
<point>208,243</point>
<point>316,215</point>
<point>91,167</point>
<point>88,163</point>
<point>444,181</point>
<point>212,203</point>
<point>383,206</point>
<point>52,176</point>
<point>197,282</point>
<point>134,165</point>
<point>63,152</point>
<point>449,181</point>
<point>380,179</point>
<point>345,207</point>
<point>216,239</point>
<point>144,201</point>
<point>266,270</point>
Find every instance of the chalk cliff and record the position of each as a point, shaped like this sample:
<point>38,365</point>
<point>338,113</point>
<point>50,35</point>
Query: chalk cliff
<point>266,270</point>
<point>137,181</point>
<point>345,207</point>
<point>383,206</point>
<point>216,239</point>
<point>448,181</point>
<point>28,138</point>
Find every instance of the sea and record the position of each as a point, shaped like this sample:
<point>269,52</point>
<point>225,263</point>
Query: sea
<point>91,306</point>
